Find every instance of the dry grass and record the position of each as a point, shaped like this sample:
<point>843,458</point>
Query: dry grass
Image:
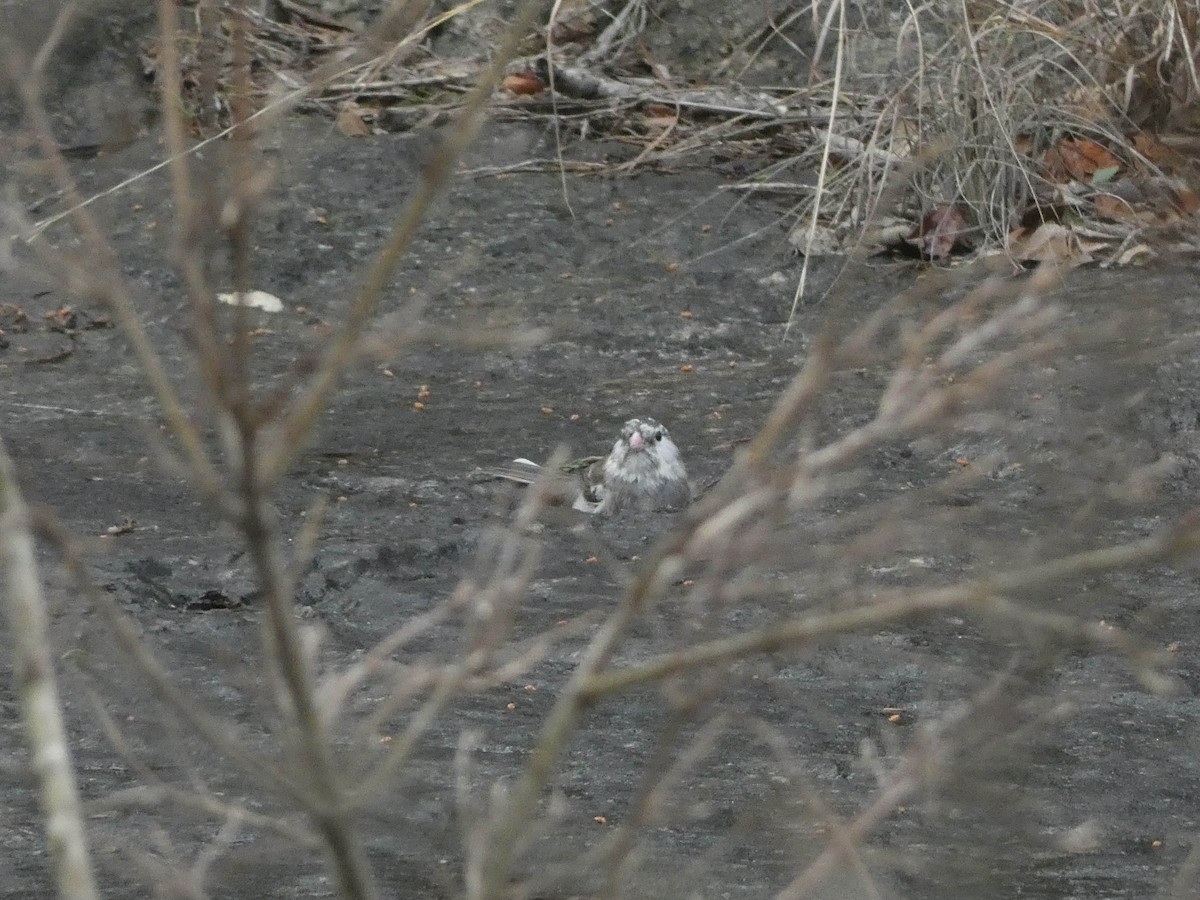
<point>978,93</point>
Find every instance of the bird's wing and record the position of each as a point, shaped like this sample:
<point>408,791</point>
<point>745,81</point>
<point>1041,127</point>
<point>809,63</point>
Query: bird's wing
<point>525,471</point>
<point>522,471</point>
<point>582,479</point>
<point>581,466</point>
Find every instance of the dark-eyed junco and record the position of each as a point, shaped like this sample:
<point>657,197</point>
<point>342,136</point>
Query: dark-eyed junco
<point>643,471</point>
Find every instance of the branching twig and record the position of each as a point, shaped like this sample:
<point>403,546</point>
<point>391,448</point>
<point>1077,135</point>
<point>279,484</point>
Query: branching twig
<point>41,708</point>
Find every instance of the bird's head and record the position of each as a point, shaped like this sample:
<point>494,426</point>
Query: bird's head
<point>645,449</point>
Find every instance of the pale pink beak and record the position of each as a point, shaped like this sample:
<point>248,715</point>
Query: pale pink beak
<point>636,441</point>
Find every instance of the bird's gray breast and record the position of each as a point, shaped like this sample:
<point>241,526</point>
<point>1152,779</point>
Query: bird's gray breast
<point>645,494</point>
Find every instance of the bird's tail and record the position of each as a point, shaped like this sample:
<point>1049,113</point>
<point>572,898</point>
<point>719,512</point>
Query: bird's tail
<point>522,471</point>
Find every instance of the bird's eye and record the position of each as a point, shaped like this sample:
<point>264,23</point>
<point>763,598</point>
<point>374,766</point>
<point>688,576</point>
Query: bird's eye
<point>658,435</point>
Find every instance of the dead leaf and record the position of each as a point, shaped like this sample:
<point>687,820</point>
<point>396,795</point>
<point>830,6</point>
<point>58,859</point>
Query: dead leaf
<point>351,120</point>
<point>887,233</point>
<point>13,319</point>
<point>821,240</point>
<point>1050,242</point>
<point>575,21</point>
<point>1187,201</point>
<point>1146,201</point>
<point>660,117</point>
<point>1110,206</point>
<point>1158,151</point>
<point>1077,159</point>
<point>1142,96</point>
<point>578,28</point>
<point>523,83</point>
<point>942,231</point>
<point>62,319</point>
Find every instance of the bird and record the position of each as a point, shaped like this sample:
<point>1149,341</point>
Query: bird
<point>643,472</point>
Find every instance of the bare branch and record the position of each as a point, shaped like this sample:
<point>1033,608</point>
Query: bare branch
<point>41,708</point>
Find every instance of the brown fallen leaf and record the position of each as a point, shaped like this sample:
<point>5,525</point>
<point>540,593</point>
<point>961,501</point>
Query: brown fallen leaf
<point>1160,152</point>
<point>941,232</point>
<point>1077,159</point>
<point>62,319</point>
<point>1110,206</point>
<point>1146,201</point>
<point>351,120</point>
<point>1051,242</point>
<point>523,83</point>
<point>13,319</point>
<point>574,28</point>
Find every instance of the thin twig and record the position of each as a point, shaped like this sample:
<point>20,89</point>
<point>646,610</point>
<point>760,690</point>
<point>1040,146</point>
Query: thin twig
<point>41,707</point>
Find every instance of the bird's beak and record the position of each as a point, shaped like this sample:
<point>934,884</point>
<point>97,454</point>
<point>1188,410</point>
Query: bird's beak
<point>636,441</point>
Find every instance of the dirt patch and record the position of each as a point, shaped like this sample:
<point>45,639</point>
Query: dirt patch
<point>666,298</point>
